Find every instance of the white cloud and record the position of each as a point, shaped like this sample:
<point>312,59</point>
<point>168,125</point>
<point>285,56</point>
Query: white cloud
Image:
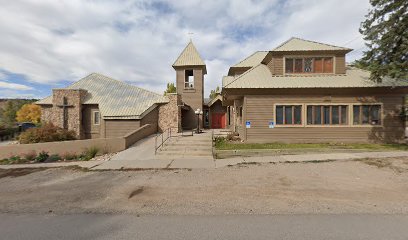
<point>137,41</point>
<point>14,86</point>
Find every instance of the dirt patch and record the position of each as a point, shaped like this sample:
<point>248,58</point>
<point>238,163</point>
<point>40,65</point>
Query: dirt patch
<point>398,165</point>
<point>18,172</point>
<point>136,192</point>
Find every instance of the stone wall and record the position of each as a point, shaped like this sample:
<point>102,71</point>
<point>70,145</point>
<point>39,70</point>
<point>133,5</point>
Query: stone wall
<point>55,113</point>
<point>170,113</point>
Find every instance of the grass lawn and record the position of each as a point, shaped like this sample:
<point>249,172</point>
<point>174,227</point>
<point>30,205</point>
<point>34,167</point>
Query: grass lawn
<point>224,145</point>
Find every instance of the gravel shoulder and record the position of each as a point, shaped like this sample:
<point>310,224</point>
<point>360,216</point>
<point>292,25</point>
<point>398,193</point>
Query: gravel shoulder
<point>356,186</point>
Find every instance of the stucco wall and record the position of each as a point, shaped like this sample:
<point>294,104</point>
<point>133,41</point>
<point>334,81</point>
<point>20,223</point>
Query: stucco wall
<point>105,145</point>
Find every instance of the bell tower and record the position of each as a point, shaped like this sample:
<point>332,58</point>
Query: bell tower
<point>190,71</point>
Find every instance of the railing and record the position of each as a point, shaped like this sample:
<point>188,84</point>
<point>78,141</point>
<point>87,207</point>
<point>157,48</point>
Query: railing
<point>163,139</point>
<point>212,142</point>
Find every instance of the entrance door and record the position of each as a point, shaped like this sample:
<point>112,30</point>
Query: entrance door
<point>218,120</point>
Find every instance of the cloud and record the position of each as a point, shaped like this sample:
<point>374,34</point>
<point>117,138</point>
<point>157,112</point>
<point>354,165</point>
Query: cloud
<point>14,86</point>
<point>52,42</point>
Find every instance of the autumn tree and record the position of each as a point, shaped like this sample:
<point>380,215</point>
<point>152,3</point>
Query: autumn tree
<point>29,113</point>
<point>9,113</point>
<point>170,88</point>
<point>386,35</point>
<point>215,93</point>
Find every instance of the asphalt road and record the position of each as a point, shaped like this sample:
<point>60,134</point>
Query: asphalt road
<point>100,226</point>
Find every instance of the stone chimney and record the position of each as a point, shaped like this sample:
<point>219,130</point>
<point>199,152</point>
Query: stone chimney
<point>170,113</point>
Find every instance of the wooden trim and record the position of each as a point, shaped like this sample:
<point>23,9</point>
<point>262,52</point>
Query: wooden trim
<point>322,56</point>
<point>382,115</point>
<point>302,114</point>
<point>93,117</point>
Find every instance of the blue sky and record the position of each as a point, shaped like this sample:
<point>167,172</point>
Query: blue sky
<point>49,44</point>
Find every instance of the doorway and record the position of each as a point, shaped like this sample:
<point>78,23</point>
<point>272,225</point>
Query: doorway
<point>218,120</point>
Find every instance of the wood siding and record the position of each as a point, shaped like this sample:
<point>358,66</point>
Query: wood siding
<point>260,110</point>
<point>90,130</point>
<point>119,128</point>
<point>276,64</point>
<point>151,118</point>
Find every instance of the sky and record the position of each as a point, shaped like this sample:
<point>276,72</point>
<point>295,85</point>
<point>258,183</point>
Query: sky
<point>46,44</point>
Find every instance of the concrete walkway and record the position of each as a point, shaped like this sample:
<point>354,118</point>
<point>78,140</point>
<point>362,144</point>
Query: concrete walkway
<point>209,163</point>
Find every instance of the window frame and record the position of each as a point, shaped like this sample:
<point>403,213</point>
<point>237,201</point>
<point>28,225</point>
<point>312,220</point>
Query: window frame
<point>187,79</point>
<point>285,58</point>
<point>322,115</point>
<point>94,119</point>
<point>360,124</point>
<point>293,105</point>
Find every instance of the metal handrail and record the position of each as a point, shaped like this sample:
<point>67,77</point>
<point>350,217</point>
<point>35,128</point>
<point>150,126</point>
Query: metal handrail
<point>163,140</point>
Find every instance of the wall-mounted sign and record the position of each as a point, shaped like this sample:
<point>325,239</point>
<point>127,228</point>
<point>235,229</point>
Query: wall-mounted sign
<point>248,124</point>
<point>271,124</point>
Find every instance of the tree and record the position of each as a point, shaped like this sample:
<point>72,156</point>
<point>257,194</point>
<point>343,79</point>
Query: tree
<point>215,93</point>
<point>170,88</point>
<point>386,36</point>
<point>9,112</point>
<point>29,113</point>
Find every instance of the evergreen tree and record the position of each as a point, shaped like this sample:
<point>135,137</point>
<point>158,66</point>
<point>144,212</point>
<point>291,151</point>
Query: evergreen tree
<point>170,88</point>
<point>215,93</point>
<point>386,33</point>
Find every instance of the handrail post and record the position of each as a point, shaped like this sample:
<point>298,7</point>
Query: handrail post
<point>155,145</point>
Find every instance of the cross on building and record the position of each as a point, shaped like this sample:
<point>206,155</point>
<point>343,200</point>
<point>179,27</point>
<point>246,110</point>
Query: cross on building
<point>65,107</point>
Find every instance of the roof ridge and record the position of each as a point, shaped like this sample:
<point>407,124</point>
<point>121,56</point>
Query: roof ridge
<point>245,73</point>
<point>248,57</point>
<point>311,41</point>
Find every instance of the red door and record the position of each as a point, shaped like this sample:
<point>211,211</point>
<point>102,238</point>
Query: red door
<point>218,120</point>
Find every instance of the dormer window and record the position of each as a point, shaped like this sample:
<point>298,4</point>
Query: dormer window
<point>309,65</point>
<point>189,79</point>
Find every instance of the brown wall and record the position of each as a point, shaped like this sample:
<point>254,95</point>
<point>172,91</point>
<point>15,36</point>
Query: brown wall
<point>90,130</point>
<point>260,110</point>
<point>151,118</point>
<point>192,97</point>
<point>119,128</point>
<point>105,145</point>
<point>275,61</point>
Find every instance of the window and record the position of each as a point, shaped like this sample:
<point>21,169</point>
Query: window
<point>189,79</point>
<point>327,115</point>
<point>96,118</point>
<point>288,115</point>
<point>309,65</point>
<point>367,114</point>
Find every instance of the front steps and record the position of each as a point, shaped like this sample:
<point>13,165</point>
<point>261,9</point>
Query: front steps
<point>196,146</point>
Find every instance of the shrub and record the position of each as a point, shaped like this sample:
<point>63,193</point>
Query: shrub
<point>42,157</point>
<point>46,133</point>
<point>89,153</point>
<point>54,158</point>
<point>14,159</point>
<point>30,156</point>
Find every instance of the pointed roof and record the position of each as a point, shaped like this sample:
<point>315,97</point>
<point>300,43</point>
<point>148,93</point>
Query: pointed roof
<point>253,60</point>
<point>116,99</point>
<point>189,57</point>
<point>298,44</point>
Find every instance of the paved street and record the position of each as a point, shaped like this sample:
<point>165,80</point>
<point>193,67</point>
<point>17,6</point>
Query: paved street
<point>111,226</point>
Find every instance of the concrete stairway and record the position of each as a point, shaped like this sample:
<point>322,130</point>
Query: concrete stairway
<point>197,146</point>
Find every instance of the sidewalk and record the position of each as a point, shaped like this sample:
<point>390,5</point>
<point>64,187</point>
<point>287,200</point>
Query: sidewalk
<point>208,162</point>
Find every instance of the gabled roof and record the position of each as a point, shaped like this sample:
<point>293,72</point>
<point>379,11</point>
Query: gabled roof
<point>253,60</point>
<point>214,100</point>
<point>189,57</point>
<point>298,44</point>
<point>116,99</point>
<point>261,77</point>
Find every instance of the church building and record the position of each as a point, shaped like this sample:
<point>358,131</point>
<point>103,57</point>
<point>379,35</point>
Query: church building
<point>98,106</point>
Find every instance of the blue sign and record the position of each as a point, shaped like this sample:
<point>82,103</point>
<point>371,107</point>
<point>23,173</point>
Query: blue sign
<point>271,124</point>
<point>248,124</point>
